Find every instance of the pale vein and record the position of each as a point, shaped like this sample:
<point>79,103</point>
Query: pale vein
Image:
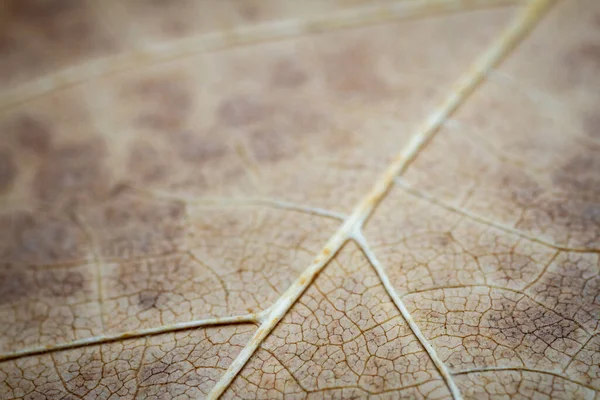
<point>103,339</point>
<point>437,361</point>
<point>461,90</point>
<point>482,220</point>
<point>220,202</point>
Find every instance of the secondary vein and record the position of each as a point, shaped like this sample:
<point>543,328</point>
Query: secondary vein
<point>352,226</point>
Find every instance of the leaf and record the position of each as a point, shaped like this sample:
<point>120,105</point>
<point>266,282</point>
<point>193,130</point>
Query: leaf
<point>193,202</point>
<point>343,338</point>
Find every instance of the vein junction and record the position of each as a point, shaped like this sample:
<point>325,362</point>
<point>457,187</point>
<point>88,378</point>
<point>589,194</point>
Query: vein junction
<point>351,228</point>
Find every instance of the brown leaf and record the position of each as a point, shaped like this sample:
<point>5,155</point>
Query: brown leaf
<point>300,199</point>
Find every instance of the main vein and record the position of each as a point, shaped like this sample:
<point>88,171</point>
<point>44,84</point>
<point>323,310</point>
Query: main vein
<point>351,228</point>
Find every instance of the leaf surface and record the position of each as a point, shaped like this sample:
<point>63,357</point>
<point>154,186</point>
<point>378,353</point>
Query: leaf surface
<point>193,202</point>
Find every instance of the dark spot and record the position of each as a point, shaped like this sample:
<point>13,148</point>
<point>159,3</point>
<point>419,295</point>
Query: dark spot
<point>8,170</point>
<point>591,125</point>
<point>353,71</point>
<point>249,10</point>
<point>128,226</point>
<point>148,299</point>
<point>71,173</point>
<point>21,283</point>
<point>158,284</point>
<point>33,135</point>
<point>500,323</point>
<point>522,189</point>
<point>284,133</point>
<point>147,163</point>
<point>443,239</point>
<point>40,239</point>
<point>176,28</point>
<point>61,29</point>
<point>167,101</point>
<point>41,9</point>
<point>241,110</point>
<point>195,148</point>
<point>15,284</point>
<point>269,145</point>
<point>287,74</point>
<point>38,36</point>
<point>583,63</point>
<point>580,176</point>
<point>66,283</point>
<point>570,288</point>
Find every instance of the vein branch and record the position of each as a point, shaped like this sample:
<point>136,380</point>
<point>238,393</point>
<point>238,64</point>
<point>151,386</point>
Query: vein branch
<point>485,221</point>
<point>437,361</point>
<point>280,308</point>
<point>102,339</point>
<point>352,226</point>
<point>209,202</point>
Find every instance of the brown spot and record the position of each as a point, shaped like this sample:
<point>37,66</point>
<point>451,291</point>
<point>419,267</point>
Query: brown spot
<point>148,299</point>
<point>176,28</point>
<point>241,110</point>
<point>33,135</point>
<point>63,22</point>
<point>20,283</point>
<point>442,239</point>
<point>353,71</point>
<point>8,170</point>
<point>15,284</point>
<point>128,226</point>
<point>74,171</point>
<point>286,74</point>
<point>571,288</point>
<point>583,62</point>
<point>269,145</point>
<point>64,283</point>
<point>50,33</point>
<point>40,239</point>
<point>283,134</point>
<point>193,147</point>
<point>249,10</point>
<point>580,176</point>
<point>168,102</point>
<point>591,125</point>
<point>40,10</point>
<point>147,163</point>
<point>521,323</point>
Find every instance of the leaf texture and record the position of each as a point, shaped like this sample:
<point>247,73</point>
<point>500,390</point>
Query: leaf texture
<point>343,338</point>
<point>193,204</point>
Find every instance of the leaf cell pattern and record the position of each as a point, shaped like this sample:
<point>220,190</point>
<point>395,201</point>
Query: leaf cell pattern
<point>344,337</point>
<point>192,204</point>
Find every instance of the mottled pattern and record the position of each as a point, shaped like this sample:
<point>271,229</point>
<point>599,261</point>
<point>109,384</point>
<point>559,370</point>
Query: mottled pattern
<point>529,152</point>
<point>185,364</point>
<point>172,171</point>
<point>344,332</point>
